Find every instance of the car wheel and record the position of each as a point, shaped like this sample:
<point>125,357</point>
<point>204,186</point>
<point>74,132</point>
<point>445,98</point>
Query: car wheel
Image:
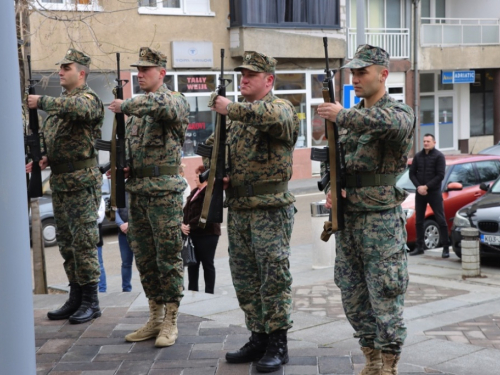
<point>49,232</point>
<point>431,234</point>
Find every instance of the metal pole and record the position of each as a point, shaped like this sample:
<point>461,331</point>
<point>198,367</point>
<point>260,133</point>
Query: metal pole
<point>360,22</point>
<point>415,75</point>
<point>17,347</point>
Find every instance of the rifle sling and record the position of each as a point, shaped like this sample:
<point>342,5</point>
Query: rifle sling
<point>113,156</point>
<point>155,171</point>
<point>73,166</point>
<point>365,180</point>
<point>259,189</point>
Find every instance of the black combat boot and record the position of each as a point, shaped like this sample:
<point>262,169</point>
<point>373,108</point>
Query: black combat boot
<point>276,353</point>
<point>417,251</point>
<point>70,306</point>
<point>89,308</point>
<point>446,252</point>
<point>253,350</point>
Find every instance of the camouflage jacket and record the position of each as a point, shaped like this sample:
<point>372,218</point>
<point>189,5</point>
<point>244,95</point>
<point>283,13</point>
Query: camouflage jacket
<point>155,131</point>
<point>261,137</point>
<point>376,140</point>
<point>74,121</point>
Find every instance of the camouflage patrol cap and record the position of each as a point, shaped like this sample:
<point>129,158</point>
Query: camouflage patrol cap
<point>151,57</point>
<point>257,62</point>
<point>74,56</point>
<point>367,55</point>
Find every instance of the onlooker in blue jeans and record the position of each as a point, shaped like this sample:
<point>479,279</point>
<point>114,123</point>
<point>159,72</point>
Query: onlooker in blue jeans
<point>121,219</point>
<point>102,278</point>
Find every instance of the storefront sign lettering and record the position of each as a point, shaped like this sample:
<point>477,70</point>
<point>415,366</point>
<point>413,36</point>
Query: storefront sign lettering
<point>196,126</point>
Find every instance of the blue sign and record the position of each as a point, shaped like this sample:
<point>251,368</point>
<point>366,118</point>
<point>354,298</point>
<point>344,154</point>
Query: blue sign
<point>350,98</point>
<point>458,76</point>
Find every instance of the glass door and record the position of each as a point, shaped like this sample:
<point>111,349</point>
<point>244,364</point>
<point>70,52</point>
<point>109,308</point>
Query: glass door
<point>445,122</point>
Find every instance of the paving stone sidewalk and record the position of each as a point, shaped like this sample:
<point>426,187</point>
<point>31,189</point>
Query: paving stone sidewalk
<point>98,348</point>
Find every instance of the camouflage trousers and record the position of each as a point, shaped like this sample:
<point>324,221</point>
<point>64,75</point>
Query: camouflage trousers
<point>75,213</point>
<point>371,272</point>
<point>259,248</point>
<point>154,235</point>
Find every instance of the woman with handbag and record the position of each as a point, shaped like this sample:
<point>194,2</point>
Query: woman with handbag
<point>204,239</point>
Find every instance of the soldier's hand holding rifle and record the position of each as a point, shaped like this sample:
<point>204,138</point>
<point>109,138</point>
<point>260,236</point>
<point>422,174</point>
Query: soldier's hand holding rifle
<point>329,111</point>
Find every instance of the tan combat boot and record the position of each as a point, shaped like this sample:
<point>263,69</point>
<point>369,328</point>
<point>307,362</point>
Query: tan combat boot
<point>373,363</point>
<point>153,325</point>
<point>390,364</point>
<point>168,330</point>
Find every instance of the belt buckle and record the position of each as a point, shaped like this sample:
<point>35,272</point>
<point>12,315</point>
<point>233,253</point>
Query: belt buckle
<point>248,191</point>
<point>156,171</point>
<point>358,181</point>
<point>71,167</point>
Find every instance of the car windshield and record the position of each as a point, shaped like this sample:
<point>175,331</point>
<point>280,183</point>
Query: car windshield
<point>495,188</point>
<point>404,181</point>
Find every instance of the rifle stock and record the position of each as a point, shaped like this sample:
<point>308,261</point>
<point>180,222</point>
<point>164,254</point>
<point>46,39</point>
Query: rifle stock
<point>32,143</point>
<point>212,210</point>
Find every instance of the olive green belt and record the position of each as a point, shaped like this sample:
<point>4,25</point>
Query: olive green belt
<point>364,180</point>
<point>73,166</point>
<point>155,171</point>
<point>258,189</point>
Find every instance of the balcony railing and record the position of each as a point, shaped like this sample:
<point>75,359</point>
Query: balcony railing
<point>394,41</point>
<point>444,32</point>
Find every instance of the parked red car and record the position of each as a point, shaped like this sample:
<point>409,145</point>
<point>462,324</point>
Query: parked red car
<point>464,174</point>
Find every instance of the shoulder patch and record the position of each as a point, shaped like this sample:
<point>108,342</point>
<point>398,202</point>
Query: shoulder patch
<point>90,96</point>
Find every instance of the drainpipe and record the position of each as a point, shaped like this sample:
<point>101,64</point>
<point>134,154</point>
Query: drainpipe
<point>415,73</point>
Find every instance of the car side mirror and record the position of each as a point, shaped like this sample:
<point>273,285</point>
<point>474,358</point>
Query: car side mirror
<point>484,186</point>
<point>455,186</point>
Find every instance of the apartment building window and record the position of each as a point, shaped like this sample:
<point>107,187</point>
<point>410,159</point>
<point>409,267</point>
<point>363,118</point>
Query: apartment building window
<point>285,13</point>
<point>380,14</point>
<point>69,5</point>
<point>176,7</point>
<point>433,9</point>
<point>481,103</point>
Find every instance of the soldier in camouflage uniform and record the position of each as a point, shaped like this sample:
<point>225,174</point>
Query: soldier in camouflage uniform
<point>74,120</point>
<point>157,122</point>
<point>261,134</point>
<point>371,263</point>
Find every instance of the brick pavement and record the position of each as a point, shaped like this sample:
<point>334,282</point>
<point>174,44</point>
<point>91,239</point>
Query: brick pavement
<point>483,331</point>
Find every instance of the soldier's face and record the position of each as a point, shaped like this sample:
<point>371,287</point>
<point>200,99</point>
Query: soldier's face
<point>69,76</point>
<point>369,81</point>
<point>150,77</point>
<point>255,85</point>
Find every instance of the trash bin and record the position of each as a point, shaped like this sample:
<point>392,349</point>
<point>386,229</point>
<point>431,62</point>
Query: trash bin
<point>323,253</point>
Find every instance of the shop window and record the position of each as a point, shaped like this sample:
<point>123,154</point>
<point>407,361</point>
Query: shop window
<point>201,124</point>
<point>481,103</point>
<point>427,82</point>
<point>196,83</point>
<point>176,7</point>
<point>290,81</point>
<point>317,85</point>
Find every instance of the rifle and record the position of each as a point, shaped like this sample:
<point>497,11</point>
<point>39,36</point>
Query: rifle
<point>205,151</point>
<point>332,158</point>
<point>116,147</point>
<point>32,143</point>
<point>212,210</point>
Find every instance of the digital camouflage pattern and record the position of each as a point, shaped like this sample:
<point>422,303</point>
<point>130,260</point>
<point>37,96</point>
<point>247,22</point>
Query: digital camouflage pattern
<point>259,248</point>
<point>154,236</point>
<point>73,123</point>
<point>367,55</point>
<point>376,140</point>
<point>371,272</point>
<point>261,137</point>
<point>77,233</point>
<point>370,266</point>
<point>257,62</point>
<point>151,57</point>
<point>155,130</point>
<point>75,56</point>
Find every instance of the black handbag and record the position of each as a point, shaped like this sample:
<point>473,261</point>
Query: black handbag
<point>187,253</point>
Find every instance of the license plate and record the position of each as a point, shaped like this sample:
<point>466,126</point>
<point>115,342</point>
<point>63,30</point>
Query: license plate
<point>492,240</point>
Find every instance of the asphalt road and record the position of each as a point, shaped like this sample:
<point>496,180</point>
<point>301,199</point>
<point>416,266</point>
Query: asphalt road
<point>302,234</point>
